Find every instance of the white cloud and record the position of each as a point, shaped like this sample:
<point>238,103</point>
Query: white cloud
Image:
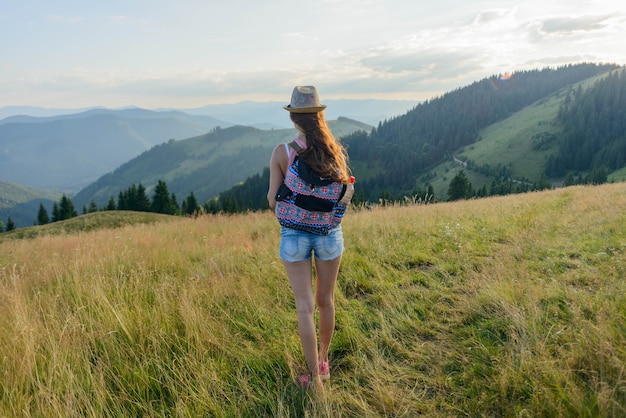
<point>567,25</point>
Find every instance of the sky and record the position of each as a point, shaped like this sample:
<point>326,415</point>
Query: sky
<point>189,53</point>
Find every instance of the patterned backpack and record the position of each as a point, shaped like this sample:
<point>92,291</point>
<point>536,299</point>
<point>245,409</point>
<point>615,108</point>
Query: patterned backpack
<point>308,202</point>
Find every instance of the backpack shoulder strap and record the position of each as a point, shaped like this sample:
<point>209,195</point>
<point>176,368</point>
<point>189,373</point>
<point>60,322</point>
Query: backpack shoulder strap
<point>293,144</point>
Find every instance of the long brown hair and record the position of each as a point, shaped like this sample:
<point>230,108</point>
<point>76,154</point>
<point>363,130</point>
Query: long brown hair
<point>324,154</point>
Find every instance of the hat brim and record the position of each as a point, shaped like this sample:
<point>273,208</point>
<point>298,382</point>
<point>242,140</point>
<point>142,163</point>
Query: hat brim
<point>313,109</point>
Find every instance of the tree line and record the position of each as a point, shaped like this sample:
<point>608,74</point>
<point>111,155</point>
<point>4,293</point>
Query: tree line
<point>594,128</point>
<point>134,198</point>
<point>245,197</point>
<point>461,188</point>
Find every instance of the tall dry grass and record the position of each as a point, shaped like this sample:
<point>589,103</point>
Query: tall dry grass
<point>510,306</point>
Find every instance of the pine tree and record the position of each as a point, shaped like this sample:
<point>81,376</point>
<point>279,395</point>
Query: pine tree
<point>131,198</point>
<point>460,187</point>
<point>161,201</point>
<point>10,225</point>
<point>66,208</point>
<point>42,215</point>
<point>142,203</point>
<point>111,205</point>
<point>122,201</point>
<point>598,176</point>
<point>190,205</point>
<point>56,212</point>
<point>431,193</point>
<point>213,206</point>
<point>174,207</point>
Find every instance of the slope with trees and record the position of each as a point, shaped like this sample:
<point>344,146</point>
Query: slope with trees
<point>594,128</point>
<point>134,198</point>
<point>401,149</point>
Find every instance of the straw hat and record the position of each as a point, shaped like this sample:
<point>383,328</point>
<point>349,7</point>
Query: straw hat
<point>305,99</point>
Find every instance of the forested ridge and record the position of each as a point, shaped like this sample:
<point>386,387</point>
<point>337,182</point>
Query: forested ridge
<point>201,165</point>
<point>407,146</point>
<point>594,128</point>
<point>387,161</point>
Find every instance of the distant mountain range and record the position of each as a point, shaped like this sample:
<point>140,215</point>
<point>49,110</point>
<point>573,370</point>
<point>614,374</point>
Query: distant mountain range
<point>68,151</point>
<point>525,128</point>
<point>263,115</point>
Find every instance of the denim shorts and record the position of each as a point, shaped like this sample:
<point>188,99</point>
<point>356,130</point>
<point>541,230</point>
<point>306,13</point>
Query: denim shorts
<point>299,245</point>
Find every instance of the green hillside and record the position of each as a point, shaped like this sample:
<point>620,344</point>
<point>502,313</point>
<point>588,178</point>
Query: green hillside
<point>530,130</point>
<point>205,164</point>
<point>21,203</point>
<point>87,223</point>
<point>522,143</point>
<point>403,149</point>
<point>12,194</point>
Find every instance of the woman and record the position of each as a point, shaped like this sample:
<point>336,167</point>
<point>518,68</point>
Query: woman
<point>316,146</point>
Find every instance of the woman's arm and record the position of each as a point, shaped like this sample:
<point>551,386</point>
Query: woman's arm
<point>278,167</point>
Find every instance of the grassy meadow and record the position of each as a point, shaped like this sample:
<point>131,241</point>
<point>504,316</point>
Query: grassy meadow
<point>509,306</point>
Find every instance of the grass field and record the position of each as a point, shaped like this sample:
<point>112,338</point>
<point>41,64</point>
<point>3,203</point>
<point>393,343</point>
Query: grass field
<point>511,306</point>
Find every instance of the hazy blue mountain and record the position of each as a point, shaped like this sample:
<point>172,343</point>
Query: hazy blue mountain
<point>35,111</point>
<point>262,115</point>
<point>67,152</point>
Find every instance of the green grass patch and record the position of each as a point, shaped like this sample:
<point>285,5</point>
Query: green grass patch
<point>88,222</point>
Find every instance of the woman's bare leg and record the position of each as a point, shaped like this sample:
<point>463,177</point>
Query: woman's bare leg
<point>326,277</point>
<point>300,277</point>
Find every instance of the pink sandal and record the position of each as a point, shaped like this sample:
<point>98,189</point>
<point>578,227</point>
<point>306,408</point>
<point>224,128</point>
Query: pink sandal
<point>304,381</point>
<point>324,370</point>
